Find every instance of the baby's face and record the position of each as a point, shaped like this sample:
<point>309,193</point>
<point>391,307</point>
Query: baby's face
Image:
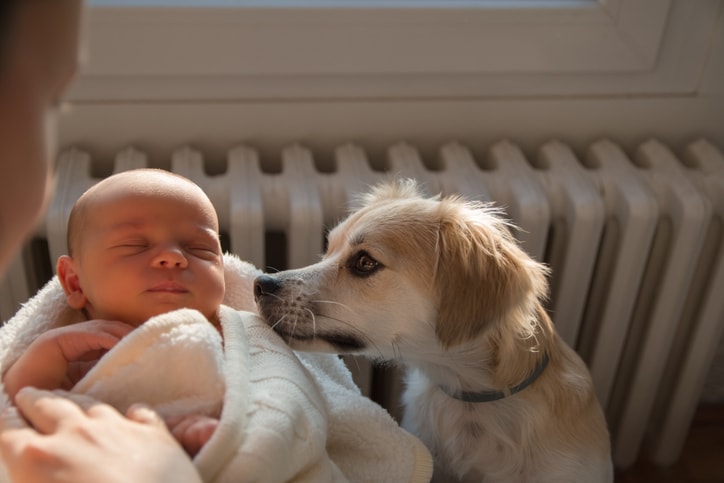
<point>142,254</point>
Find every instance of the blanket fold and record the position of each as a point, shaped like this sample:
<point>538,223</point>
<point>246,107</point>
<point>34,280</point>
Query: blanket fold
<point>283,416</point>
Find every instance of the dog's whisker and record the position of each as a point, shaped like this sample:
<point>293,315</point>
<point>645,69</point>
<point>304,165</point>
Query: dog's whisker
<point>314,320</point>
<point>298,290</point>
<point>332,302</point>
<point>356,363</point>
<point>354,329</point>
<point>279,321</point>
<point>397,352</point>
<point>294,328</point>
<point>281,299</point>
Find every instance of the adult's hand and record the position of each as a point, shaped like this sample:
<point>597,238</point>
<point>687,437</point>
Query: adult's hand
<point>52,438</point>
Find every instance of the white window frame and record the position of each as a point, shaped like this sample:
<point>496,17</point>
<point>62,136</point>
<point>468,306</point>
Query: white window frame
<point>364,50</point>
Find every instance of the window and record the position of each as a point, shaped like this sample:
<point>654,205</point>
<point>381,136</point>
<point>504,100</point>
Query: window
<point>348,49</point>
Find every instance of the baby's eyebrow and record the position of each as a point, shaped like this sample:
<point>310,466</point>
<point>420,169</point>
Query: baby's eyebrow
<point>125,226</point>
<point>129,227</point>
<point>210,232</point>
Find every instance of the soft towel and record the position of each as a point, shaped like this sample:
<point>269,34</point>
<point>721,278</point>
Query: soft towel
<point>283,416</point>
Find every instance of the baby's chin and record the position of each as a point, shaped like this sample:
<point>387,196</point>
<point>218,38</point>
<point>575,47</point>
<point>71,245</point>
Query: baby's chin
<point>137,320</point>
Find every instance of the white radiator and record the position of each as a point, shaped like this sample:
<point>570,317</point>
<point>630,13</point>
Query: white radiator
<point>635,244</point>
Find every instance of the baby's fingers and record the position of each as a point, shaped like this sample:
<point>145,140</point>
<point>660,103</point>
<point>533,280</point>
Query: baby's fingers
<point>90,339</point>
<point>144,414</point>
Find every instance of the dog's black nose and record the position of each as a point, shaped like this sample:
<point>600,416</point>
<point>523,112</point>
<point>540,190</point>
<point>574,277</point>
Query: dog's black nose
<point>265,285</point>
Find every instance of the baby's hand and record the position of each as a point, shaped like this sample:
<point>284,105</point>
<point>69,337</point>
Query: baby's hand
<point>193,431</point>
<point>47,361</point>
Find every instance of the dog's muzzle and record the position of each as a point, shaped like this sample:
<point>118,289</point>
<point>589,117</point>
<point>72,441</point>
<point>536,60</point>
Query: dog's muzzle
<point>297,324</point>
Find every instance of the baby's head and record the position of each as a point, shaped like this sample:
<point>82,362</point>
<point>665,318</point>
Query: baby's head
<point>141,243</point>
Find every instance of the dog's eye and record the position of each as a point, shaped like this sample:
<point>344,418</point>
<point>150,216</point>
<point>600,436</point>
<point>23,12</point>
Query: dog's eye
<point>362,264</point>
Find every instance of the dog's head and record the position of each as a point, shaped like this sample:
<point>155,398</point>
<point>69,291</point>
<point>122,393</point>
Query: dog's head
<point>404,274</point>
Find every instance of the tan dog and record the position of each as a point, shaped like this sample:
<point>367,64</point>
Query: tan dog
<point>441,286</point>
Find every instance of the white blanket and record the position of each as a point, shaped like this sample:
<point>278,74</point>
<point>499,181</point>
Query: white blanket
<point>284,416</point>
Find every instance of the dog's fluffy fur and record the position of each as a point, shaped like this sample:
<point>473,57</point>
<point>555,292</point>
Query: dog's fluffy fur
<point>441,286</point>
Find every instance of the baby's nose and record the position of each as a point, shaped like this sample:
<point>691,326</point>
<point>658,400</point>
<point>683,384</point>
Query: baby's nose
<point>171,257</point>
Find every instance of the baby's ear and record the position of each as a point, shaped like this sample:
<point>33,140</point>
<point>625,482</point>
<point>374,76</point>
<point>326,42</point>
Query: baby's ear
<point>68,277</point>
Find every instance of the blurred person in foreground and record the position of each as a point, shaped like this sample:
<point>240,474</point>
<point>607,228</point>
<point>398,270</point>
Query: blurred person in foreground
<point>49,438</point>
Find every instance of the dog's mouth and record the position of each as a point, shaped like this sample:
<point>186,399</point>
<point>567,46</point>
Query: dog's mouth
<point>340,341</point>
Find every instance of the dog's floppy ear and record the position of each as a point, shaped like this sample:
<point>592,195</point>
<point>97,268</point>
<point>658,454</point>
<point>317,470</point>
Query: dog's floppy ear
<point>482,274</point>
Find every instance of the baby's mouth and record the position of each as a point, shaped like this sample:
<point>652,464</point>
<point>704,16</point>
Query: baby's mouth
<point>168,287</point>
